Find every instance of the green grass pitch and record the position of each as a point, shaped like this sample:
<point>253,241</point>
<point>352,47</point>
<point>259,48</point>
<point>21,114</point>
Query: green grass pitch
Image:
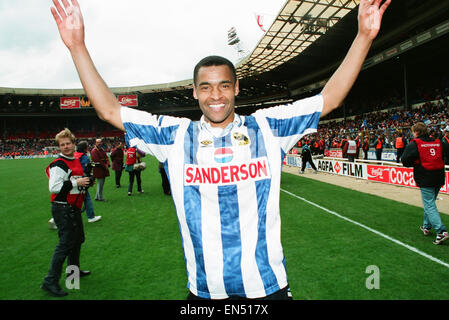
<point>135,251</point>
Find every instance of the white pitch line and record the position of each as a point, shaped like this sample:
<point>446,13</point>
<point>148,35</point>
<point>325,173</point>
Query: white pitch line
<point>370,229</point>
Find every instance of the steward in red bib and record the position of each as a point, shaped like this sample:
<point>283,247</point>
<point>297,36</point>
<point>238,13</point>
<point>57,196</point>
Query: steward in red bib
<point>379,145</point>
<point>399,143</point>
<point>430,154</point>
<point>425,155</point>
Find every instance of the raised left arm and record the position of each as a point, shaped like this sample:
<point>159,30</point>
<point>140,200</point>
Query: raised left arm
<point>369,20</point>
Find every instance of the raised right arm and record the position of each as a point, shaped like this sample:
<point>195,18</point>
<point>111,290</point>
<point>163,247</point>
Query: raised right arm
<point>70,24</point>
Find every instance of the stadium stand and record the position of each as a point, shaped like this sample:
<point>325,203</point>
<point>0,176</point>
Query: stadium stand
<point>24,138</point>
<point>405,77</point>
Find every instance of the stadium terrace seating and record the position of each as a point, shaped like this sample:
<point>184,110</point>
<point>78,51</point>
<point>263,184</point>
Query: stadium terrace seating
<point>25,136</point>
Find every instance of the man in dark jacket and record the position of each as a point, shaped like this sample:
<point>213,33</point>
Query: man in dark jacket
<point>117,162</point>
<point>425,155</point>
<point>344,147</point>
<point>445,140</point>
<point>306,155</point>
<point>101,167</point>
<point>365,147</point>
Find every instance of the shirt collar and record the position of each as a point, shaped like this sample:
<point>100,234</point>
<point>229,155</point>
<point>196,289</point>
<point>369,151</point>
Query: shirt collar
<point>219,132</point>
<point>65,157</point>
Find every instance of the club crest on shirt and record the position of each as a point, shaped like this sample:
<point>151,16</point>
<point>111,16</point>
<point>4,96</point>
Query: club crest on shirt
<point>241,139</point>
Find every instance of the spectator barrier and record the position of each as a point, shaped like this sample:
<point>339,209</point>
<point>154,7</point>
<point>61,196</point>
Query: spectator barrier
<point>376,171</point>
<point>387,154</point>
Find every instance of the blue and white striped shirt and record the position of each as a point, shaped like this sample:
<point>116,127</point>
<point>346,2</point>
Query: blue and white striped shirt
<point>226,189</point>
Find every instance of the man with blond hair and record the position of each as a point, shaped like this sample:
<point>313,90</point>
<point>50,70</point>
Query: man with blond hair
<point>66,180</point>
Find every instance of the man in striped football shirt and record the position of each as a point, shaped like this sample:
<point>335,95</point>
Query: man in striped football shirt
<point>224,169</point>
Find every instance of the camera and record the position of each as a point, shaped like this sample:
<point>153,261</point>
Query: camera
<point>88,173</point>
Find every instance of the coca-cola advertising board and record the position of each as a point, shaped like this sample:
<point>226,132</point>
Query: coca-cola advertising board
<point>128,100</point>
<point>399,176</point>
<point>69,103</point>
<point>378,173</point>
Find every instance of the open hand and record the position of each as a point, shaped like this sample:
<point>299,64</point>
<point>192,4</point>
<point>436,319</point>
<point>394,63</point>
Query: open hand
<point>69,21</point>
<point>370,16</point>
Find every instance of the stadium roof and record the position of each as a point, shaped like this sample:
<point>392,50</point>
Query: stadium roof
<point>298,25</point>
<point>308,39</point>
<point>407,24</point>
<point>178,85</point>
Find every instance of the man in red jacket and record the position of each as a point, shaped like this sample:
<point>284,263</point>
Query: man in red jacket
<point>101,167</point>
<point>133,156</point>
<point>425,155</point>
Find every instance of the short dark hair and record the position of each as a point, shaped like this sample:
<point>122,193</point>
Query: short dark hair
<point>82,146</point>
<point>213,61</point>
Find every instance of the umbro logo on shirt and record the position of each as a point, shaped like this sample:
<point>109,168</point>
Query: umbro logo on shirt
<point>206,143</point>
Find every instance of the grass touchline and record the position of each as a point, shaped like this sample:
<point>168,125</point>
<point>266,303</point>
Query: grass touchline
<point>428,256</point>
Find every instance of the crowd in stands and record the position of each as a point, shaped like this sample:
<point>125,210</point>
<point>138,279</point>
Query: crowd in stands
<point>42,147</point>
<point>38,138</point>
<point>45,128</point>
<point>433,111</point>
<point>389,123</point>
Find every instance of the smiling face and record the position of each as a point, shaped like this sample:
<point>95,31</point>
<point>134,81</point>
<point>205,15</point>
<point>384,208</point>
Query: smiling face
<point>215,89</point>
<point>67,147</point>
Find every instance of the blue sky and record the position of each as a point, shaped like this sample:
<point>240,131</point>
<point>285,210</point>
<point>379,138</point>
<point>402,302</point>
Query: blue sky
<point>132,42</point>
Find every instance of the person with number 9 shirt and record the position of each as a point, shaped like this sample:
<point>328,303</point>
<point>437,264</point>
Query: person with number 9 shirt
<point>425,155</point>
